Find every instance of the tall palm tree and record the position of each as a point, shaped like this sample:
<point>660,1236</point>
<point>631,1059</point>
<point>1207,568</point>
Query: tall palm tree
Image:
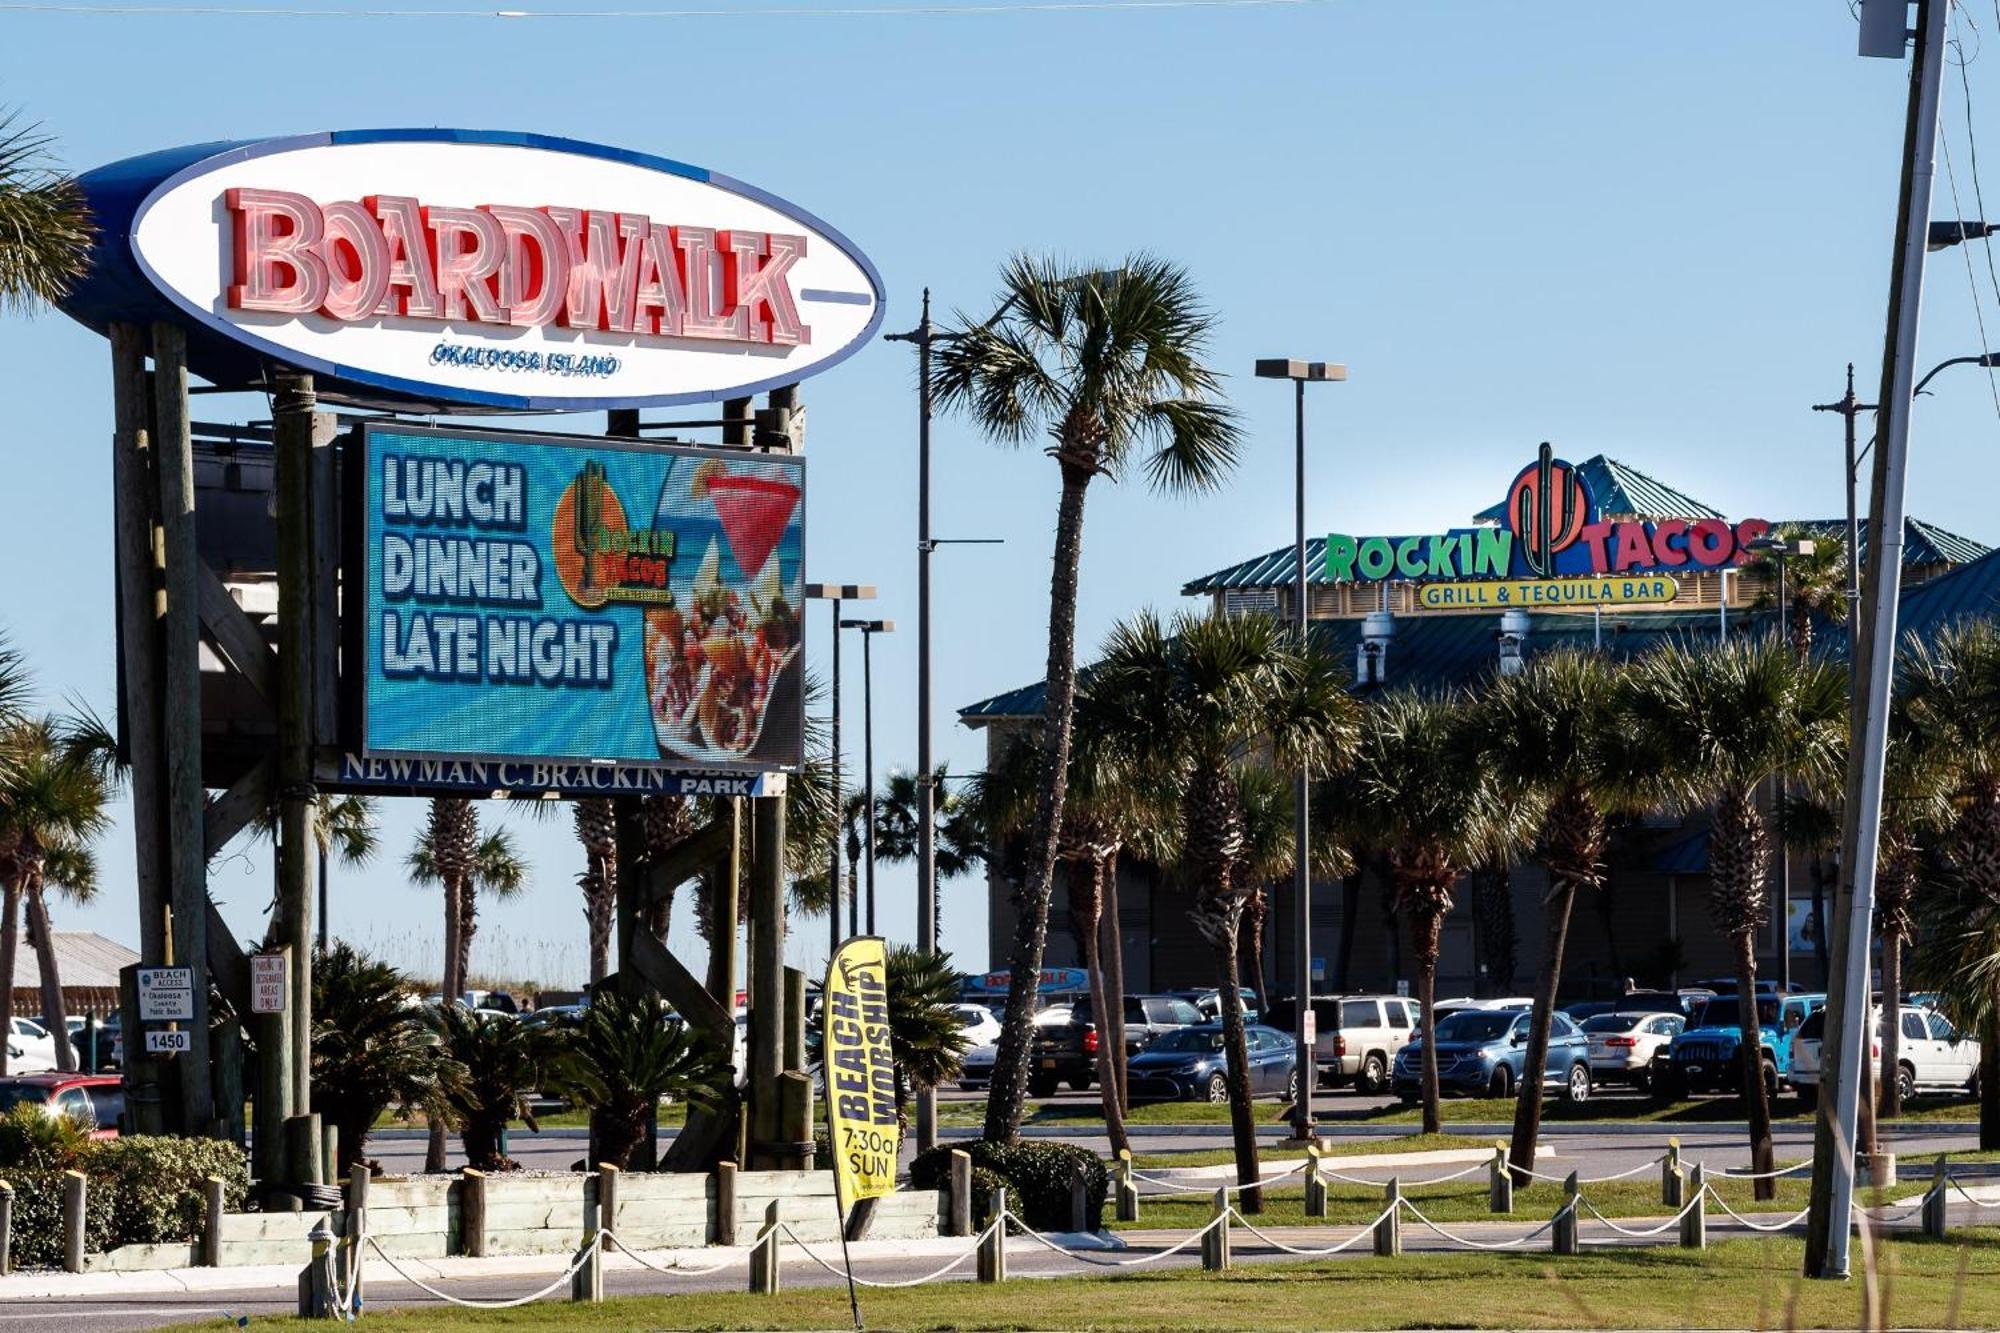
<point>1437,811</point>
<point>1556,733</point>
<point>1108,370</point>
<point>596,830</point>
<point>342,826</point>
<point>959,839</point>
<point>1716,722</point>
<point>1815,585</point>
<point>1190,704</point>
<point>1953,710</point>
<point>52,805</point>
<point>494,866</point>
<point>45,229</point>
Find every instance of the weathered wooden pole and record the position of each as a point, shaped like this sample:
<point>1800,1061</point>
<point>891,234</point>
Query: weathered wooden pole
<point>74,1189</point>
<point>767,978</point>
<point>134,499</point>
<point>180,708</point>
<point>211,1222</point>
<point>725,1203</point>
<point>472,1213</point>
<point>6,1228</point>
<point>959,1222</point>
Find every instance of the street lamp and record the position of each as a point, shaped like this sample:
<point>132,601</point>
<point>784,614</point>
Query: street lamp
<point>1782,549</point>
<point>836,593</point>
<point>1301,373</point>
<point>869,629</point>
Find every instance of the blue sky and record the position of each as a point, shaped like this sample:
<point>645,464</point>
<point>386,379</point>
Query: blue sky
<point>1650,231</point>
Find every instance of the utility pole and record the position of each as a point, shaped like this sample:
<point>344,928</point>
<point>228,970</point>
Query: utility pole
<point>1844,1052</point>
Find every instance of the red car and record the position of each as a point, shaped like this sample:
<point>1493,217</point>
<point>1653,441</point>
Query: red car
<point>97,1100</point>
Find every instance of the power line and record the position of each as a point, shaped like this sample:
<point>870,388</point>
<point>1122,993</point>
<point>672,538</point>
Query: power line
<point>1971,278</point>
<point>1972,149</point>
<point>774,12</point>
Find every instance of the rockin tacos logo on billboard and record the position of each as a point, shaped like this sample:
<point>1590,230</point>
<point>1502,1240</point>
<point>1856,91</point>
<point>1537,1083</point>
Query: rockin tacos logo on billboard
<point>535,598</point>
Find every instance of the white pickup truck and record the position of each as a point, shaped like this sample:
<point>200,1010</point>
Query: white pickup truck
<point>1932,1055</point>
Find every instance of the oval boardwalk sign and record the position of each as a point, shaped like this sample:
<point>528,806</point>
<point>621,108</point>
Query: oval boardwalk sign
<point>499,271</point>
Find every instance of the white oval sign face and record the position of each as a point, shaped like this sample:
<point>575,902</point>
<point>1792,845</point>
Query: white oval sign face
<point>506,271</point>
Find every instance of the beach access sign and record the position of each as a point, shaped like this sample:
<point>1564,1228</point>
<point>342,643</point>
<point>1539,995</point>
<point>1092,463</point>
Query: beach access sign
<point>488,268</point>
<point>860,1071</point>
<point>561,603</point>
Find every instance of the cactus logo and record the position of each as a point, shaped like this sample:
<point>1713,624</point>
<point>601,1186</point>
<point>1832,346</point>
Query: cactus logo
<point>599,557</point>
<point>1547,508</point>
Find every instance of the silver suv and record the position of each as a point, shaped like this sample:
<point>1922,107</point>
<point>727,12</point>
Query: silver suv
<point>1357,1037</point>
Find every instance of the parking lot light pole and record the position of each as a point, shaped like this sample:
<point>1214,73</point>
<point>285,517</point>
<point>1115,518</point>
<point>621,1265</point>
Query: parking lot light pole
<point>869,629</point>
<point>1301,373</point>
<point>836,593</point>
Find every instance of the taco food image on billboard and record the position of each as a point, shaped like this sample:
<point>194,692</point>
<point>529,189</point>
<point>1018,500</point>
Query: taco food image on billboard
<point>723,665</point>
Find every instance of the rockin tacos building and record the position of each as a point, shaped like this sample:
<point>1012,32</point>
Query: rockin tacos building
<point>1595,554</point>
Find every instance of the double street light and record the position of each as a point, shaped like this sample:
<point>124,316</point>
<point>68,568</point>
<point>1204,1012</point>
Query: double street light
<point>1781,549</point>
<point>869,629</point>
<point>836,593</point>
<point>1301,373</point>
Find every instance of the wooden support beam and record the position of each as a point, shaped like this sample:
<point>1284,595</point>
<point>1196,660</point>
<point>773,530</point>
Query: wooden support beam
<point>180,706</point>
<point>233,811</point>
<point>325,537</point>
<point>767,980</point>
<point>134,501</point>
<point>228,968</point>
<point>235,636</point>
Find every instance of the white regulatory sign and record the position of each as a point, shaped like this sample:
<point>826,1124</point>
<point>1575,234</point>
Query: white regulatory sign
<point>267,983</point>
<point>166,1043</point>
<point>1312,1026</point>
<point>166,994</point>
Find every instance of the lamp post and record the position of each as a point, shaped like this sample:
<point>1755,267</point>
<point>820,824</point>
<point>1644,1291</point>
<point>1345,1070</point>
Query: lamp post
<point>1301,373</point>
<point>869,629</point>
<point>836,593</point>
<point>1781,549</point>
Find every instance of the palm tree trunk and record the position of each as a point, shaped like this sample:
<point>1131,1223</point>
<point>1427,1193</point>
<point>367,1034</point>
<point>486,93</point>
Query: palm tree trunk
<point>451,984</point>
<point>10,949</point>
<point>599,900</point>
<point>1009,1094</point>
<point>53,1017</point>
<point>1548,976</point>
<point>1392,917</point>
<point>1989,1080</point>
<point>1817,874</point>
<point>1110,1053</point>
<point>1242,1118</point>
<point>1426,929</point>
<point>1756,1105</point>
<point>468,924</point>
<point>1890,1094</point>
<point>1256,912</point>
<point>1111,948</point>
<point>1350,908</point>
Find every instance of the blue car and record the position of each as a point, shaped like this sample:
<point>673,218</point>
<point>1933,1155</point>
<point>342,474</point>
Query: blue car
<point>1707,1056</point>
<point>1189,1064</point>
<point>1481,1052</point>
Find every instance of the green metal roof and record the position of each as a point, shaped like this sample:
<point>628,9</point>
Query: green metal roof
<point>1625,492</point>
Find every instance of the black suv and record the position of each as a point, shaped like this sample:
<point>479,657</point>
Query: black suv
<point>1067,1052</point>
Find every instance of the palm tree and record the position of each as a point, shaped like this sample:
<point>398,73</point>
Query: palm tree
<point>1815,585</point>
<point>52,805</point>
<point>624,1055</point>
<point>493,866</point>
<point>596,830</point>
<point>45,229</point>
<point>342,826</point>
<point>1108,369</point>
<point>1556,733</point>
<point>1189,704</point>
<point>369,1049</point>
<point>1953,711</point>
<point>924,1032</point>
<point>1436,811</point>
<point>1716,722</point>
<point>959,839</point>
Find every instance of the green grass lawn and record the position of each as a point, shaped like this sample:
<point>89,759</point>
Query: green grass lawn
<point>1733,1284</point>
<point>1354,1147</point>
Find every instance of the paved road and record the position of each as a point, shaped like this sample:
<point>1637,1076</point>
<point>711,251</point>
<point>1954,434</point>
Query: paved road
<point>1026,1259</point>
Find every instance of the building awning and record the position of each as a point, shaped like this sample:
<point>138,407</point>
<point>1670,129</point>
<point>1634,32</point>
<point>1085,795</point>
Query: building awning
<point>85,958</point>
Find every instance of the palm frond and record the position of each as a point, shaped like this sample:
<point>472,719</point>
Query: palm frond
<point>45,227</point>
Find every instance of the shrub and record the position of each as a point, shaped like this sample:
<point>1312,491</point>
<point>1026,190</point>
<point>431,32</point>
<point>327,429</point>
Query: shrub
<point>1035,1174</point>
<point>38,1211</point>
<point>155,1184</point>
<point>32,1137</point>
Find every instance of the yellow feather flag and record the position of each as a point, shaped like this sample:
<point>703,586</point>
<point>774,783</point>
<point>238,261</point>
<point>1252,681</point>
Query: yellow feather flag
<point>860,1070</point>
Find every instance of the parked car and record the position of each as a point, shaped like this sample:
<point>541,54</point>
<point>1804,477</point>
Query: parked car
<point>1356,1037</point>
<point>1210,1004</point>
<point>1482,1051</point>
<point>1067,1052</point>
<point>975,1073</point>
<point>30,1048</point>
<point>1583,1009</point>
<point>1705,1056</point>
<point>1625,1046</point>
<point>1683,1001</point>
<point>1189,1063</point>
<point>1461,1002</point>
<point>96,1100</point>
<point>1931,1056</point>
<point>981,1028</point>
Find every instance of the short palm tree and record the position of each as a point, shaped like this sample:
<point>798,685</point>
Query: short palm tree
<point>1108,371</point>
<point>491,1065</point>
<point>1556,733</point>
<point>1815,585</point>
<point>489,864</point>
<point>596,830</point>
<point>1715,722</point>
<point>45,228</point>
<point>370,1050</point>
<point>1190,704</point>
<point>925,1034</point>
<point>624,1054</point>
<point>1436,810</point>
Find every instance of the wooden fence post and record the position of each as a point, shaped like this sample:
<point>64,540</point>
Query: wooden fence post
<point>472,1213</point>
<point>315,1293</point>
<point>1128,1188</point>
<point>1694,1223</point>
<point>1499,1183</point>
<point>1671,1179</point>
<point>607,1204</point>
<point>961,1193</point>
<point>764,1265</point>
<point>1389,1231</point>
<point>211,1222</point>
<point>725,1203</point>
<point>1315,1183</point>
<point>586,1285</point>
<point>329,1155</point>
<point>992,1260</point>
<point>1934,1200</point>
<point>357,1229</point>
<point>1079,1200</point>
<point>74,1187</point>
<point>1563,1235</point>
<point>1215,1245</point>
<point>6,1228</point>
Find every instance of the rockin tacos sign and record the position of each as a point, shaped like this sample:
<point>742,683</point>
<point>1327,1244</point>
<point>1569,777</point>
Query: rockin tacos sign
<point>492,270</point>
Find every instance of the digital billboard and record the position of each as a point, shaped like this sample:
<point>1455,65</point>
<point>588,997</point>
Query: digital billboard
<point>548,598</point>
